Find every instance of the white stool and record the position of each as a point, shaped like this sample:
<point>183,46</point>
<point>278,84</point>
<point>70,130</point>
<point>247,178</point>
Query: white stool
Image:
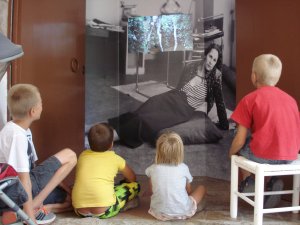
<point>260,171</point>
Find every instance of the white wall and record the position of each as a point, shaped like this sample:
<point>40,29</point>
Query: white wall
<point>225,7</point>
<point>3,101</point>
<point>110,11</point>
<point>3,82</point>
<point>106,10</point>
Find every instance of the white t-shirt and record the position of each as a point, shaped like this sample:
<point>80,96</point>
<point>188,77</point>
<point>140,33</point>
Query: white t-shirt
<point>169,189</point>
<point>14,145</point>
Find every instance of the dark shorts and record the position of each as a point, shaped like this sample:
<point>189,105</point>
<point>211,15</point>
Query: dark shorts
<point>248,154</point>
<point>40,177</point>
<point>157,113</point>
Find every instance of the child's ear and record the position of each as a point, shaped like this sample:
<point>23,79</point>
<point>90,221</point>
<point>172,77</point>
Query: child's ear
<point>31,111</point>
<point>254,78</point>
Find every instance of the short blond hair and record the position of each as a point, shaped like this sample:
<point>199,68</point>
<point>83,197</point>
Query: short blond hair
<point>169,149</point>
<point>21,99</point>
<point>267,68</point>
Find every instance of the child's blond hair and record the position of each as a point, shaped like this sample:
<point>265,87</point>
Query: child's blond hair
<point>169,149</point>
<point>267,68</point>
<point>21,99</point>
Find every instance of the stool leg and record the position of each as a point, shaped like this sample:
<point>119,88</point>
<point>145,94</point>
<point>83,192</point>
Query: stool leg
<point>234,187</point>
<point>259,196</point>
<point>296,189</point>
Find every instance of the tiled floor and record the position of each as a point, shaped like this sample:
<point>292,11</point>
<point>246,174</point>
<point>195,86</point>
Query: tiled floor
<point>216,211</point>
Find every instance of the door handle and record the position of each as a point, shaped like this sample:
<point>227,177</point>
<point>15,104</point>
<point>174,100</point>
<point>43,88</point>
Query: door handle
<point>83,70</point>
<point>74,65</point>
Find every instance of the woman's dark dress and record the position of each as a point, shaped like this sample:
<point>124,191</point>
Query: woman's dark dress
<point>168,109</point>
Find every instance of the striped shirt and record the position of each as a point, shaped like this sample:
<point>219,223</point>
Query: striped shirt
<point>196,91</point>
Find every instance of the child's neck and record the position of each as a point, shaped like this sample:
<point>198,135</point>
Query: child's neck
<point>262,85</point>
<point>25,124</point>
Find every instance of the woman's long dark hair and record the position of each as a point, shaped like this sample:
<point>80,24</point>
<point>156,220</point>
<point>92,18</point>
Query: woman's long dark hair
<point>191,68</point>
<point>220,55</point>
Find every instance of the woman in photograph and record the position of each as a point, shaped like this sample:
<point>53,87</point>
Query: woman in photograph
<point>200,86</point>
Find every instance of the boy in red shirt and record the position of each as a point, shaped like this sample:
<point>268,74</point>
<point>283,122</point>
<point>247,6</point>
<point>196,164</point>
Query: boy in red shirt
<point>272,117</point>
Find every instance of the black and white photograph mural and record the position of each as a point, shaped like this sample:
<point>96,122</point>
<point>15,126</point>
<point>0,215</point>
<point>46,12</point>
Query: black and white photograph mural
<point>163,65</point>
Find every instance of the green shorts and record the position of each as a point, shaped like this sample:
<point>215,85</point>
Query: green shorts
<point>124,193</point>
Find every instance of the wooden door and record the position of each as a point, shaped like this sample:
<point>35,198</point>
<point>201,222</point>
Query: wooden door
<point>268,26</point>
<point>52,33</point>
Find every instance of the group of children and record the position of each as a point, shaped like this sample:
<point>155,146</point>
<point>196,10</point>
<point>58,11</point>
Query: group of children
<point>271,116</point>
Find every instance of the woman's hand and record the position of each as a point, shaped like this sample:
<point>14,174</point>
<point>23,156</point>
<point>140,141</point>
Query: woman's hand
<point>202,107</point>
<point>221,127</point>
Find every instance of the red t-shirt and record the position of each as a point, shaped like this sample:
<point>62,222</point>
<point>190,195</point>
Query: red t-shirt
<point>273,118</point>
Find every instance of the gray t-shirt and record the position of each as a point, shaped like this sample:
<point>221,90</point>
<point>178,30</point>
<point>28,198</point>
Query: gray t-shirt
<point>169,189</point>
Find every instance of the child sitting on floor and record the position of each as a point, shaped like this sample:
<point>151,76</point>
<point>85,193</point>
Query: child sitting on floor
<point>94,193</point>
<point>42,191</point>
<point>170,182</point>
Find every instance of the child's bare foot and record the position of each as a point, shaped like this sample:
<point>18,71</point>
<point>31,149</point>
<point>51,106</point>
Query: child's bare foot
<point>59,207</point>
<point>66,206</point>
